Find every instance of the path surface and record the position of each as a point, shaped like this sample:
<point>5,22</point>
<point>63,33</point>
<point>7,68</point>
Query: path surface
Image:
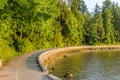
<point>24,67</point>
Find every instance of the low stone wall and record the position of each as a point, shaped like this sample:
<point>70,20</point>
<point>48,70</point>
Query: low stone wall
<point>0,63</point>
<point>45,58</point>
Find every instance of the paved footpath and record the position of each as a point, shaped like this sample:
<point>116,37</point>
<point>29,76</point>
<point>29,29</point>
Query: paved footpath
<point>24,67</point>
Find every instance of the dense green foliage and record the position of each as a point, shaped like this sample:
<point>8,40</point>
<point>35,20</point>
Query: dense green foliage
<point>103,26</point>
<point>27,25</point>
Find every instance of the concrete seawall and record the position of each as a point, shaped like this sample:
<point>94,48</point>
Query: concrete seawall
<point>45,58</point>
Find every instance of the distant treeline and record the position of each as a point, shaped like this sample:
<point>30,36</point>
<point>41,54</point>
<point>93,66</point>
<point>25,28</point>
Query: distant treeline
<point>27,25</point>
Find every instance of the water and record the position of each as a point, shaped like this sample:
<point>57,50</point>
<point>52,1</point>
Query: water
<point>89,65</point>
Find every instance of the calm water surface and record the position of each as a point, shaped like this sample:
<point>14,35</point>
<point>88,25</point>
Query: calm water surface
<point>92,65</point>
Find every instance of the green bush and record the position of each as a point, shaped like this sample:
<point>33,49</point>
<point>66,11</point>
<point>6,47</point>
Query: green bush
<point>6,53</point>
<point>24,46</point>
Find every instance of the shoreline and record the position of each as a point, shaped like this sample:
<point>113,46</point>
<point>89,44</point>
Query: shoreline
<point>45,58</point>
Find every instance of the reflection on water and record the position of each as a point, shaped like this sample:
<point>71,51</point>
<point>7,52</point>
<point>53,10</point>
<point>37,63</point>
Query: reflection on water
<point>92,65</point>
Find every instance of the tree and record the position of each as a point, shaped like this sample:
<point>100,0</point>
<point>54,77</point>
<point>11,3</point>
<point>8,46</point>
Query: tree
<point>80,19</point>
<point>100,28</point>
<point>58,38</point>
<point>3,3</point>
<point>82,6</point>
<point>42,22</point>
<point>97,10</point>
<point>109,29</point>
<point>107,21</point>
<point>116,17</point>
<point>85,26</point>
<point>68,24</point>
<point>106,4</point>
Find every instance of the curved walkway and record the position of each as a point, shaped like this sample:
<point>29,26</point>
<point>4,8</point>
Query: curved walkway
<point>24,67</point>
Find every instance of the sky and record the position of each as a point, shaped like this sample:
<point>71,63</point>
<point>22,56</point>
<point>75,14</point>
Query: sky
<point>91,3</point>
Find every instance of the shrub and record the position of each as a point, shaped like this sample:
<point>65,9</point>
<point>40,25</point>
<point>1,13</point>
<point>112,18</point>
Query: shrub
<point>24,46</point>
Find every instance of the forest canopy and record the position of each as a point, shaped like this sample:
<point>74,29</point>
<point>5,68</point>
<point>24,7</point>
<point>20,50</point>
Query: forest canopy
<point>27,25</point>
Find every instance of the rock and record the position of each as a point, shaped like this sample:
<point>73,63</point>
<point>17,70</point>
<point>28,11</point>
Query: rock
<point>0,63</point>
<point>65,56</point>
<point>53,68</point>
<point>68,75</point>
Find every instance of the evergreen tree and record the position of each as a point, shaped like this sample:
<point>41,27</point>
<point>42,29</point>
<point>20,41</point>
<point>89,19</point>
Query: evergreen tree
<point>69,27</point>
<point>82,6</point>
<point>87,18</point>
<point>116,17</point>
<point>80,19</point>
<point>109,29</point>
<point>107,21</point>
<point>100,28</point>
<point>106,4</point>
<point>97,10</point>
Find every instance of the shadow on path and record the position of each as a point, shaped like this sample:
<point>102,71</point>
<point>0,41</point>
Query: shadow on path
<point>32,62</point>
